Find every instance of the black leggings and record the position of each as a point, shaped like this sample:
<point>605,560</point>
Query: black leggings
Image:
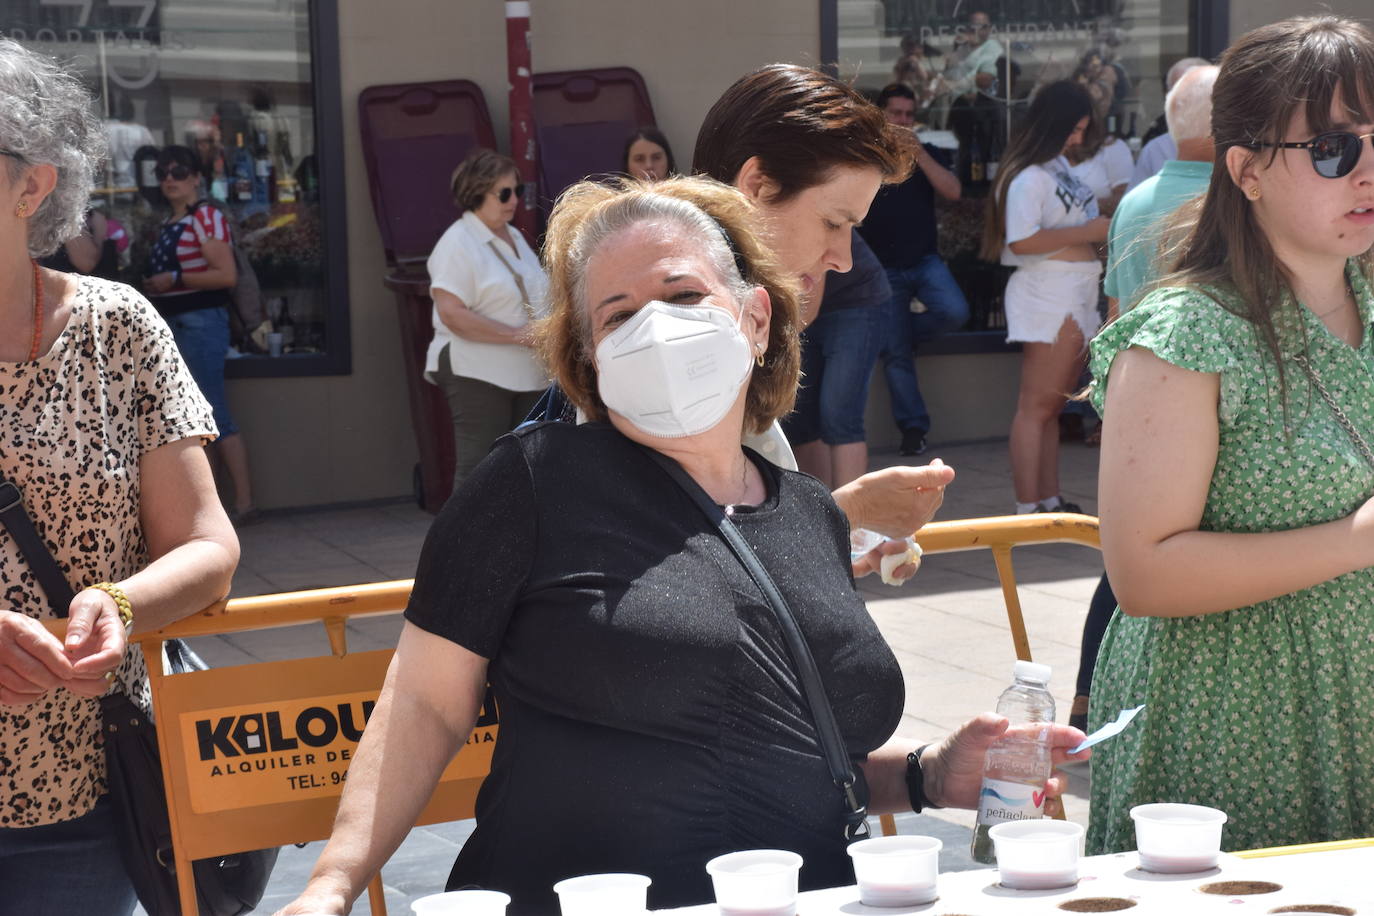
<point>1099,615</point>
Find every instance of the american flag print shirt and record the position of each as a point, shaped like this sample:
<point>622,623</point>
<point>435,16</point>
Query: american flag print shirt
<point>179,245</point>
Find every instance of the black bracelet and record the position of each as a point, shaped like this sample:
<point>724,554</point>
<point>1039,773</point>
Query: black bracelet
<point>915,781</point>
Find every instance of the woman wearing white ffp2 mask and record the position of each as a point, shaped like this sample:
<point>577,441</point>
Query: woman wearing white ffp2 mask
<point>673,371</point>
<point>636,662</point>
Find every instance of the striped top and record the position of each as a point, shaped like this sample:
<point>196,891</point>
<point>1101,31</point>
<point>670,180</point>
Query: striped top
<point>204,222</point>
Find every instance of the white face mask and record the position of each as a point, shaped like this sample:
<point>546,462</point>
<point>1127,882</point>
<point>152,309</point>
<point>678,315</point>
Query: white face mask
<point>673,371</point>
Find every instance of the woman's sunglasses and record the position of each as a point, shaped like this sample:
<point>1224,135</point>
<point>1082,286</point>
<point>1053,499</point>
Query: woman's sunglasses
<point>176,173</point>
<point>504,194</point>
<point>1333,154</point>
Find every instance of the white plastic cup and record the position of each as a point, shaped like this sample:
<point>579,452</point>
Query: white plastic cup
<point>896,870</point>
<point>1177,839</point>
<point>604,895</point>
<point>462,903</point>
<point>1037,855</point>
<point>757,882</point>
<point>274,345</point>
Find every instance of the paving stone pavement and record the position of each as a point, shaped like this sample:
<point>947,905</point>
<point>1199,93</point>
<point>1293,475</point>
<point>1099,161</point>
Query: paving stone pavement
<point>947,626</point>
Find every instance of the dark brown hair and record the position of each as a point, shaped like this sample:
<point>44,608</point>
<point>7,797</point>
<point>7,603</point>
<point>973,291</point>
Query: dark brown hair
<point>590,213</point>
<point>654,136</point>
<point>476,175</point>
<point>1053,115</point>
<point>1266,77</point>
<point>801,123</point>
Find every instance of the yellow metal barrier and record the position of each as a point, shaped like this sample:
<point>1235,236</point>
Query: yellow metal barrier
<point>1000,534</point>
<point>255,756</point>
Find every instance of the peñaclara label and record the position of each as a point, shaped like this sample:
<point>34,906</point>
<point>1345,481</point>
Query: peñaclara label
<point>1001,801</point>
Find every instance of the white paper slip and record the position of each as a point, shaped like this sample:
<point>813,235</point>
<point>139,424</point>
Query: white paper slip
<point>1110,730</point>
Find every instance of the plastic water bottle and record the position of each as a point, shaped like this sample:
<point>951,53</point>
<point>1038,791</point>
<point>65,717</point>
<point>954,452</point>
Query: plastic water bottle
<point>1018,764</point>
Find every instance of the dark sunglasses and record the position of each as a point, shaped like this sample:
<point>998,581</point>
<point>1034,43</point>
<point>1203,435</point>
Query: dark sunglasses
<point>1333,154</point>
<point>12,155</point>
<point>504,194</point>
<point>176,173</point>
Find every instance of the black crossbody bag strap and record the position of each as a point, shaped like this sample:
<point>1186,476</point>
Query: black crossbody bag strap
<point>31,547</point>
<point>832,744</point>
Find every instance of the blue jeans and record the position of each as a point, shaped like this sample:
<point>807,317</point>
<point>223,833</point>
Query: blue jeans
<point>838,352</point>
<point>66,868</point>
<point>946,310</point>
<point>202,337</point>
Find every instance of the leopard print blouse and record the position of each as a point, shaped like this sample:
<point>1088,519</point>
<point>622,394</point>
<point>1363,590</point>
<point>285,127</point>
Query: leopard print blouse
<point>73,425</point>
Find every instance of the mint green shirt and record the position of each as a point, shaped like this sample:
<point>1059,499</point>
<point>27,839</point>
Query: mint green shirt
<point>1139,219</point>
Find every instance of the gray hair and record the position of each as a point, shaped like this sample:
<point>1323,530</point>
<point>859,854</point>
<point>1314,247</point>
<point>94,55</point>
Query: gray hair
<point>634,209</point>
<point>1188,106</point>
<point>46,118</point>
<point>1181,67</point>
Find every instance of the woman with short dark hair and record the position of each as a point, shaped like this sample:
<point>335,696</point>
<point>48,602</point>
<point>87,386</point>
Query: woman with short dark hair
<point>811,153</point>
<point>487,286</point>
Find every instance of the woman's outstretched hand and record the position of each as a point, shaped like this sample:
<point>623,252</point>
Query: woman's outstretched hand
<point>953,769</point>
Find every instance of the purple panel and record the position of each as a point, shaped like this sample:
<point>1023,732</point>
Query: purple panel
<point>413,136</point>
<point>413,178</point>
<point>572,152</point>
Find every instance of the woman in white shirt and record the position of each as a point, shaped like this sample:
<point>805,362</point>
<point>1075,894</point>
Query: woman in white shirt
<point>1044,221</point>
<point>487,286</point>
<point>1103,162</point>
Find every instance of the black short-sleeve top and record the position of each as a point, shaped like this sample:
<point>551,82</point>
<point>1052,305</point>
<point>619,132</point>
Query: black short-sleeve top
<point>650,714</point>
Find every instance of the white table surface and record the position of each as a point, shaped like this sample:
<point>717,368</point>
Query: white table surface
<point>1338,878</point>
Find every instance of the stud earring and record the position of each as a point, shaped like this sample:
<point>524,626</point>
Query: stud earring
<point>1255,193</point>
<point>21,210</point>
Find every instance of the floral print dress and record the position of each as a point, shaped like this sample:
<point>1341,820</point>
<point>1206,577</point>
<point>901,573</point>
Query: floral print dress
<point>1266,711</point>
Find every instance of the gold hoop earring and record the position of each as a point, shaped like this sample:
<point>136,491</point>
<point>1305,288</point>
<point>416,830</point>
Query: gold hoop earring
<point>1255,193</point>
<point>758,356</point>
<point>21,210</point>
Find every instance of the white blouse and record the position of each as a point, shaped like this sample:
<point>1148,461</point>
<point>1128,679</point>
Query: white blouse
<point>467,262</point>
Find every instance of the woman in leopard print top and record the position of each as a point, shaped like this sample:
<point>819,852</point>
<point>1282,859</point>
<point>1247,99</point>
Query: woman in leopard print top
<point>102,431</point>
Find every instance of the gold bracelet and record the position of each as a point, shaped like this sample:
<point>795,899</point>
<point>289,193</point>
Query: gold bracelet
<point>121,600</point>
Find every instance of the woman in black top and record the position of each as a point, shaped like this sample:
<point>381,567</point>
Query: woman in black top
<point>651,717</point>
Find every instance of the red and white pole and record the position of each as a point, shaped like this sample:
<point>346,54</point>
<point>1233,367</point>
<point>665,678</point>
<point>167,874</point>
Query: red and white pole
<point>522,146</point>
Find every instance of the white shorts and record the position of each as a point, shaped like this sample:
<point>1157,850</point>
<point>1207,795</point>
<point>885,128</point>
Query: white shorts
<point>1038,298</point>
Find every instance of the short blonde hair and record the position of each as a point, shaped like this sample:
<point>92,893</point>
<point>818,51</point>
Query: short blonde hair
<point>476,175</point>
<point>728,227</point>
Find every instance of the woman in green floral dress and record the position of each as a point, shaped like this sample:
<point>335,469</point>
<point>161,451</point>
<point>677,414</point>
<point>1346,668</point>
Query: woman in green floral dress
<point>1237,470</point>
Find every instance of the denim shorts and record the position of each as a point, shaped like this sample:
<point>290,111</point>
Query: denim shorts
<point>838,353</point>
<point>202,337</point>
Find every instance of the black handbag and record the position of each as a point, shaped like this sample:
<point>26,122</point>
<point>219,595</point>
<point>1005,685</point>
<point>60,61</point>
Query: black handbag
<point>225,885</point>
<point>832,742</point>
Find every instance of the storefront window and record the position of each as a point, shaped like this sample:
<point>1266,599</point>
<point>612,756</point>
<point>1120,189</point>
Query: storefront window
<point>974,68</point>
<point>251,87</point>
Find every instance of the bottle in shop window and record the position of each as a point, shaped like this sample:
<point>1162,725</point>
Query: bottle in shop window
<point>264,187</point>
<point>1111,125</point>
<point>242,166</point>
<point>976,163</point>
<point>1132,140</point>
<point>286,326</point>
<point>1018,764</point>
<point>219,178</point>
